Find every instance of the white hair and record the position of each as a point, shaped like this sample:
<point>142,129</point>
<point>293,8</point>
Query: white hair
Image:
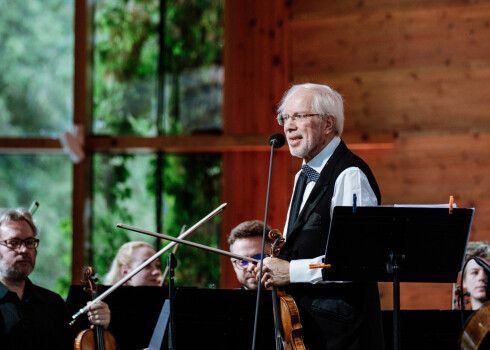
<point>326,101</point>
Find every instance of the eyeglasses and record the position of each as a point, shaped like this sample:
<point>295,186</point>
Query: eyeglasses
<point>242,264</point>
<point>15,243</point>
<point>283,118</point>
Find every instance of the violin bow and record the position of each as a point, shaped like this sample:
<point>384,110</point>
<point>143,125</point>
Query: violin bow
<point>33,207</point>
<point>147,262</point>
<point>192,244</point>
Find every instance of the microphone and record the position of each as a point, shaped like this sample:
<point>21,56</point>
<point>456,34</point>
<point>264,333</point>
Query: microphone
<point>486,268</point>
<point>277,140</point>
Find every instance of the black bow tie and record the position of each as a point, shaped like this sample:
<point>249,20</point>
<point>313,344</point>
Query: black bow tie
<point>311,173</point>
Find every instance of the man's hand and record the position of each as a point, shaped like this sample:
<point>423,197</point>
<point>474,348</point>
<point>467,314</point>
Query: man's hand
<point>275,272</point>
<point>99,314</point>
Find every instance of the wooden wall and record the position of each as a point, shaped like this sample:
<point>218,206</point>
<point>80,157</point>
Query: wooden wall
<point>415,74</point>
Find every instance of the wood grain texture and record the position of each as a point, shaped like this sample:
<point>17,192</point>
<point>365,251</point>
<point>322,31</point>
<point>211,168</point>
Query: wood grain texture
<point>387,39</point>
<point>257,64</point>
<point>415,75</point>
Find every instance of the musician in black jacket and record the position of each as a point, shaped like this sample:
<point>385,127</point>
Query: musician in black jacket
<point>32,317</point>
<point>334,314</point>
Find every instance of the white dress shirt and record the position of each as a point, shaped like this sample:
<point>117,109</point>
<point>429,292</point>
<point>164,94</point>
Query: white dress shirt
<point>351,180</point>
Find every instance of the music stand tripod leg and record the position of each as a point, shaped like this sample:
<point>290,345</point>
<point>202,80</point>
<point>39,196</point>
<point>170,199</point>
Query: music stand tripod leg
<point>393,267</point>
<point>172,263</point>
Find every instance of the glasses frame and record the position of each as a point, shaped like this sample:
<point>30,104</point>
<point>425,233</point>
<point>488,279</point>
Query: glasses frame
<point>242,264</point>
<point>283,118</point>
<point>7,243</point>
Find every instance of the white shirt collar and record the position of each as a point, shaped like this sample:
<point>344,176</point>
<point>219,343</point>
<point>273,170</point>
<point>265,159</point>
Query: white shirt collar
<point>321,159</point>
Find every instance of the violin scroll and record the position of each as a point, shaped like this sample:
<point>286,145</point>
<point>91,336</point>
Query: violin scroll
<point>89,280</point>
<point>276,236</point>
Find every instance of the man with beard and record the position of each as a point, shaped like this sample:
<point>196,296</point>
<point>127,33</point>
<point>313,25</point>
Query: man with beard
<point>334,314</point>
<point>246,239</point>
<point>31,316</point>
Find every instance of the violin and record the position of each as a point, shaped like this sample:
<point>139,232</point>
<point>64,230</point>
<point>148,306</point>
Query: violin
<point>96,337</point>
<point>288,328</point>
<point>475,330</point>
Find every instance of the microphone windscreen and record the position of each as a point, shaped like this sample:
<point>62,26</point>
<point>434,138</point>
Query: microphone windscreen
<point>277,140</point>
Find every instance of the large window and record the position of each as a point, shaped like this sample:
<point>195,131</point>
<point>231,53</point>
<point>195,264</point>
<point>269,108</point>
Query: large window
<point>151,79</point>
<point>146,80</point>
<point>125,193</point>
<point>157,80</point>
<point>36,67</point>
<point>36,94</point>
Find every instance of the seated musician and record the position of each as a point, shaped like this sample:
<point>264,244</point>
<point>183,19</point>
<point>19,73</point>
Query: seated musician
<point>474,274</point>
<point>130,256</point>
<point>246,239</point>
<point>31,316</point>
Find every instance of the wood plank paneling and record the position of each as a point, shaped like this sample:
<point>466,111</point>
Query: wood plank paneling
<point>414,74</point>
<point>245,190</point>
<point>257,72</point>
<point>256,58</point>
<point>427,169</point>
<point>322,8</point>
<point>395,39</point>
<point>435,99</point>
<point>418,70</point>
<point>430,168</point>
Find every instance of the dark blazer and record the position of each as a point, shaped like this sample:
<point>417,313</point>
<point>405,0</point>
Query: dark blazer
<point>334,315</point>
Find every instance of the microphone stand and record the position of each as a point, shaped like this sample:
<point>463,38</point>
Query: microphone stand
<point>276,141</point>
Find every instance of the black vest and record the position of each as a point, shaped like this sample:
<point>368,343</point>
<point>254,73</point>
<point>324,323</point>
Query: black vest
<point>356,303</point>
<point>308,238</point>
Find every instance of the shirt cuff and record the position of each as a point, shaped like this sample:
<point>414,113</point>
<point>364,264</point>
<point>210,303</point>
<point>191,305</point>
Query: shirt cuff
<point>300,272</point>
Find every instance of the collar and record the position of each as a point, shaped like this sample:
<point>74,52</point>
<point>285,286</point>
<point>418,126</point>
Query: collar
<point>3,291</point>
<point>29,291</point>
<point>321,159</point>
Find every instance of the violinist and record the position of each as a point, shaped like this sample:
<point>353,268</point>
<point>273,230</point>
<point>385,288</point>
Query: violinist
<point>129,256</point>
<point>474,274</point>
<point>246,239</point>
<point>334,314</point>
<point>31,316</point>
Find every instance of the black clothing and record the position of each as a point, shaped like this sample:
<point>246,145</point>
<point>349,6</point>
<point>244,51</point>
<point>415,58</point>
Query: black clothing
<point>297,199</point>
<point>39,321</point>
<point>334,315</point>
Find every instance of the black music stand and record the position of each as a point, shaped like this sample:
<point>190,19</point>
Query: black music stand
<point>397,244</point>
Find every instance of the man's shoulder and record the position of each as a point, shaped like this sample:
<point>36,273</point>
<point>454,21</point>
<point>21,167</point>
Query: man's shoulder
<point>44,293</point>
<point>346,158</point>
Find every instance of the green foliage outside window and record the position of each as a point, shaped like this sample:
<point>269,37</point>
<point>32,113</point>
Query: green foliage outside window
<point>36,98</point>
<point>126,76</point>
<point>36,67</point>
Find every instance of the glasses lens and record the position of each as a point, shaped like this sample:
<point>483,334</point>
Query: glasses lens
<point>31,243</point>
<point>280,119</point>
<point>241,264</point>
<point>13,243</point>
<point>259,256</point>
